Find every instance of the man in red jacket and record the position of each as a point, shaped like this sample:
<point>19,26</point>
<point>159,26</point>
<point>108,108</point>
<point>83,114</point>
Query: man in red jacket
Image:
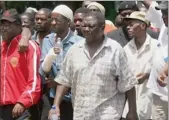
<point>20,85</point>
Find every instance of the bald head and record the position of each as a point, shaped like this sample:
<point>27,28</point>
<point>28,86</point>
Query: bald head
<point>99,17</point>
<point>82,10</point>
<point>46,11</point>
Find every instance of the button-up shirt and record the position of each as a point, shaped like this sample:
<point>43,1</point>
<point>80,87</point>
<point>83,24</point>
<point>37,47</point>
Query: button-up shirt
<point>97,94</point>
<point>48,43</point>
<point>140,61</point>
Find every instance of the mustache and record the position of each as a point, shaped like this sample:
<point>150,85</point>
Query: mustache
<point>39,26</point>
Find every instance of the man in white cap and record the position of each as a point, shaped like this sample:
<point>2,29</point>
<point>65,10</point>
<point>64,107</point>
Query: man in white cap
<point>61,18</point>
<point>140,53</point>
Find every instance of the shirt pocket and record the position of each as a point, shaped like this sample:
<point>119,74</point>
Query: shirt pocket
<point>105,69</point>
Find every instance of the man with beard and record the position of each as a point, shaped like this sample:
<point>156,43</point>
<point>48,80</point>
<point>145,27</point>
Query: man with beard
<point>61,18</point>
<point>42,25</point>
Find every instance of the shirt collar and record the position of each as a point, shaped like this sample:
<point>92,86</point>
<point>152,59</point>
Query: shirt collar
<point>66,39</point>
<point>105,42</point>
<point>146,43</point>
<point>14,40</point>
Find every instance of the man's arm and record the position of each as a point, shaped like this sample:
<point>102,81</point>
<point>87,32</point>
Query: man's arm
<point>61,90</point>
<point>126,84</point>
<point>147,3</point>
<point>162,76</point>
<point>131,97</point>
<point>32,92</point>
<point>26,36</point>
<point>64,81</point>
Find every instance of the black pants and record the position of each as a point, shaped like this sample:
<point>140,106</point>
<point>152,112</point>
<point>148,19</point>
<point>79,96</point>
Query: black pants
<point>66,109</point>
<point>6,113</point>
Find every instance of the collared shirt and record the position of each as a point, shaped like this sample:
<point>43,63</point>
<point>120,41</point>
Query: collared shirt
<point>35,37</point>
<point>140,61</point>
<point>97,94</point>
<point>48,43</point>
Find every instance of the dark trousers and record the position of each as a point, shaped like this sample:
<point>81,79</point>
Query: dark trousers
<point>6,113</point>
<point>66,109</point>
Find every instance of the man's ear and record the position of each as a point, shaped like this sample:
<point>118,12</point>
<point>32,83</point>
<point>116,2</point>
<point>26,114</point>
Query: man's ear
<point>69,22</point>
<point>143,26</point>
<point>103,27</point>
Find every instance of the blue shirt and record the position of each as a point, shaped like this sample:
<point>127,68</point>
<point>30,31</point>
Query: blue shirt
<point>48,43</point>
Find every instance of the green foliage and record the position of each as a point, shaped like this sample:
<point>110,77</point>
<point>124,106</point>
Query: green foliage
<point>22,5</point>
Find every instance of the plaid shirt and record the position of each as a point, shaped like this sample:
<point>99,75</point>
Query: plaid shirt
<point>96,93</point>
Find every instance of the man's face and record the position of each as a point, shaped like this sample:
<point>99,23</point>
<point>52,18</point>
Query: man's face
<point>42,21</point>
<point>7,30</point>
<point>26,21</point>
<point>91,29</point>
<point>78,18</point>
<point>59,23</point>
<point>124,14</point>
<point>134,27</point>
<point>165,17</point>
<point>94,9</point>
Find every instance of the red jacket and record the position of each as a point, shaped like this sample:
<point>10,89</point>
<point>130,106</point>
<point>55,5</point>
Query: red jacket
<point>20,81</point>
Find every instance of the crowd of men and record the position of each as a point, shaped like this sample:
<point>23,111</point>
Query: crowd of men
<point>109,71</point>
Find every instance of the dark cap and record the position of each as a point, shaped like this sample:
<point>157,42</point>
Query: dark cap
<point>162,6</point>
<point>10,15</point>
<point>128,5</point>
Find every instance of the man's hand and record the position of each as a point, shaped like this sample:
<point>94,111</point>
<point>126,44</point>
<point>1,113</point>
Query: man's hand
<point>23,44</point>
<point>141,77</point>
<point>50,82</point>
<point>161,79</point>
<point>132,115</point>
<point>162,76</point>
<point>18,110</point>
<point>54,111</point>
<point>25,37</point>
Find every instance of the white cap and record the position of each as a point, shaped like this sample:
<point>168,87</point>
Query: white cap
<point>99,6</point>
<point>64,10</point>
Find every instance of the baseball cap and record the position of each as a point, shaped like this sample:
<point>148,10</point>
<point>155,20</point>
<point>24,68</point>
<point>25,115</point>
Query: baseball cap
<point>128,5</point>
<point>162,6</point>
<point>10,15</point>
<point>138,15</point>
